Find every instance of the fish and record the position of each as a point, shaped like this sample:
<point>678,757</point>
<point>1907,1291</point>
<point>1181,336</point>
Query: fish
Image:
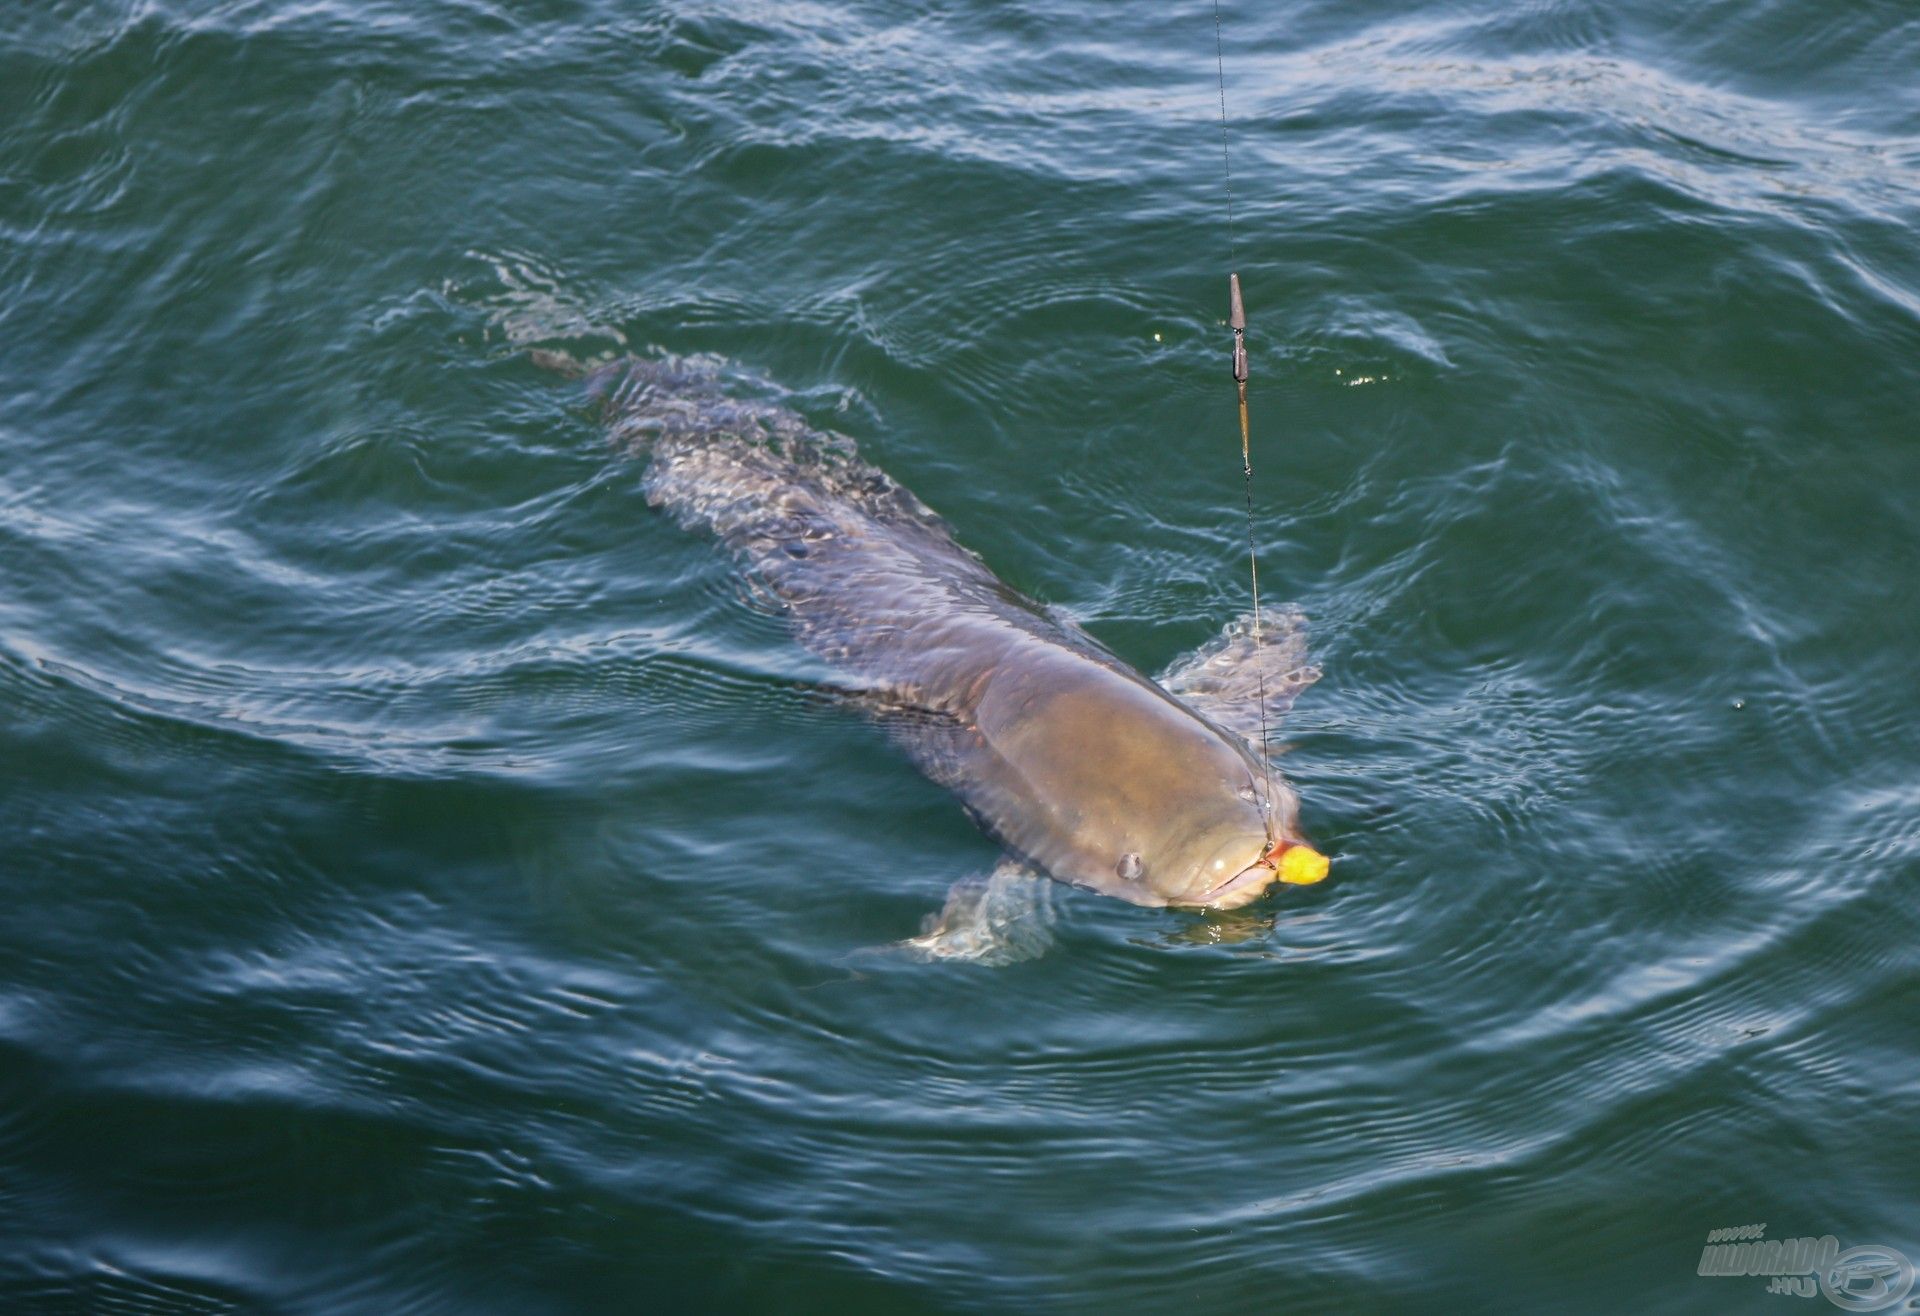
<point>1081,768</point>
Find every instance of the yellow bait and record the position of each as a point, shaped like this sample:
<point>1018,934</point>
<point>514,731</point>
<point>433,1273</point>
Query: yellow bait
<point>1302,865</point>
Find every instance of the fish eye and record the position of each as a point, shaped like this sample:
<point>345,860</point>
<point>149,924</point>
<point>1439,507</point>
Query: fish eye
<point>1130,867</point>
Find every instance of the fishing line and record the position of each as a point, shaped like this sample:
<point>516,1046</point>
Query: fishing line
<point>1226,165</point>
<point>1237,321</point>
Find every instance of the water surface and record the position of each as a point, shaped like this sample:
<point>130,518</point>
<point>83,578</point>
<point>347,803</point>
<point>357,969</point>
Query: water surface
<point>433,882</point>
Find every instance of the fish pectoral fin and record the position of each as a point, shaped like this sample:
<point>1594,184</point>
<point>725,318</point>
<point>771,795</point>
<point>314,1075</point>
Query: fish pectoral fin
<point>1222,679</point>
<point>1002,918</point>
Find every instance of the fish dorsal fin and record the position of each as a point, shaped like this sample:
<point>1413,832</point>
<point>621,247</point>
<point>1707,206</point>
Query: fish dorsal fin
<point>1221,680</point>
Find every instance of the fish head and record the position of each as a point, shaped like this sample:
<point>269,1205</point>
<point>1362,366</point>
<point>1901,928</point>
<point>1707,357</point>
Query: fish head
<point>1230,880</point>
<point>1233,862</point>
<point>1105,781</point>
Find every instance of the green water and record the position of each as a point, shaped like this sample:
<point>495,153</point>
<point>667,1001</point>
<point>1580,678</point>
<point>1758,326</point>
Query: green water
<point>432,883</point>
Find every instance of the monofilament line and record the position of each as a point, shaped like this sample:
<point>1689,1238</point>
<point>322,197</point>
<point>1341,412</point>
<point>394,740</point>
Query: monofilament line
<point>1226,165</point>
<point>1259,666</point>
<point>1238,320</point>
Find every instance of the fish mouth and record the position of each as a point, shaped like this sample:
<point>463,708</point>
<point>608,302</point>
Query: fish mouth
<point>1289,862</point>
<point>1242,888</point>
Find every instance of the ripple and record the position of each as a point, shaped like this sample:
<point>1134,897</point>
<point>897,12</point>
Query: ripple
<point>441,882</point>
